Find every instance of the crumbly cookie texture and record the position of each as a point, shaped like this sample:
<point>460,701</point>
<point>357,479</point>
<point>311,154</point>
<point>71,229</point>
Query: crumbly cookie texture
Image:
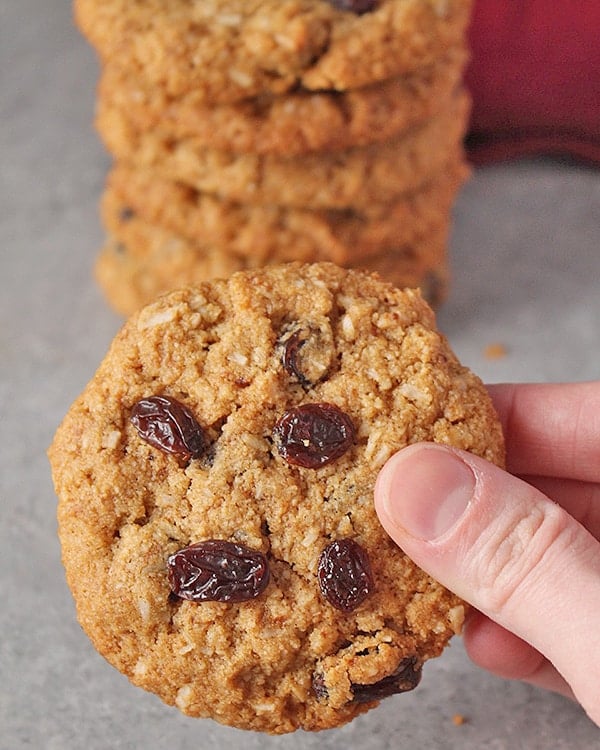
<point>271,233</point>
<point>141,260</point>
<point>354,177</point>
<point>295,123</point>
<point>227,50</point>
<point>239,355</point>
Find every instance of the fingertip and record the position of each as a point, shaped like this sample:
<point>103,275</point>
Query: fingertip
<point>505,655</point>
<point>497,650</point>
<point>384,489</point>
<point>424,491</point>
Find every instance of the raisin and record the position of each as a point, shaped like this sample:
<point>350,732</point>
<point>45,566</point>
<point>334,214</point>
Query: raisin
<point>167,424</point>
<point>319,687</point>
<point>344,573</point>
<point>126,213</point>
<point>217,571</point>
<point>312,435</point>
<point>404,679</point>
<point>356,6</point>
<point>307,352</point>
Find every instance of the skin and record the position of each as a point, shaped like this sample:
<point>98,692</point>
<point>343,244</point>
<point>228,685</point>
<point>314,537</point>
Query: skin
<point>522,545</point>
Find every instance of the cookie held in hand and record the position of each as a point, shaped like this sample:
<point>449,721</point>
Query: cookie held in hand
<point>215,483</point>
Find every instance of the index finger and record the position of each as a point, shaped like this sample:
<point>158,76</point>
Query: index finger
<point>551,429</point>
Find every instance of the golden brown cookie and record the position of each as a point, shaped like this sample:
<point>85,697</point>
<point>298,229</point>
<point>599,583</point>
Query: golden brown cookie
<point>141,260</point>
<point>354,177</point>
<point>295,123</point>
<point>215,483</point>
<point>153,261</point>
<point>227,50</point>
<point>268,233</point>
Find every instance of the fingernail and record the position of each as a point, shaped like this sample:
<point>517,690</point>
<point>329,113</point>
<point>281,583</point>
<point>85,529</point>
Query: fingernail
<point>425,490</point>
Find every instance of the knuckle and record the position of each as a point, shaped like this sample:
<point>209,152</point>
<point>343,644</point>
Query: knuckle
<point>509,559</point>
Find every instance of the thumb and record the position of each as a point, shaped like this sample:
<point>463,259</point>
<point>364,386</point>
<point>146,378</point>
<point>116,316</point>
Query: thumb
<point>505,548</point>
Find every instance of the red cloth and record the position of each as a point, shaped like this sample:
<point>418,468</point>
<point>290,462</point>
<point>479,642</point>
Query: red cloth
<point>535,79</point>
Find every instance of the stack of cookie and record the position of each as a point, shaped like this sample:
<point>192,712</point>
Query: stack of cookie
<point>247,133</point>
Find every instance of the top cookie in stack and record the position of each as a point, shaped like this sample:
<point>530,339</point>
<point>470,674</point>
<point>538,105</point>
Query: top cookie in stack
<point>248,132</point>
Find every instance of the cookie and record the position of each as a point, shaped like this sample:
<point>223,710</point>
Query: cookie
<point>351,178</point>
<point>268,233</point>
<point>295,123</point>
<point>141,260</point>
<point>215,483</point>
<point>228,50</point>
<point>153,261</point>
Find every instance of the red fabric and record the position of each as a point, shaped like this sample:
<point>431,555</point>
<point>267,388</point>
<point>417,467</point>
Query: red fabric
<point>535,79</point>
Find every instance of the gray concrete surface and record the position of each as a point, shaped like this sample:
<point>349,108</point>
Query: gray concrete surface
<point>526,254</point>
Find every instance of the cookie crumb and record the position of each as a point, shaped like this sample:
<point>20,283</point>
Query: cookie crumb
<point>496,350</point>
<point>458,720</point>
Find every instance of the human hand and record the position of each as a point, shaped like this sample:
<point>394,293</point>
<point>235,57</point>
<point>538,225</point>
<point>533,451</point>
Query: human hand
<point>523,547</point>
